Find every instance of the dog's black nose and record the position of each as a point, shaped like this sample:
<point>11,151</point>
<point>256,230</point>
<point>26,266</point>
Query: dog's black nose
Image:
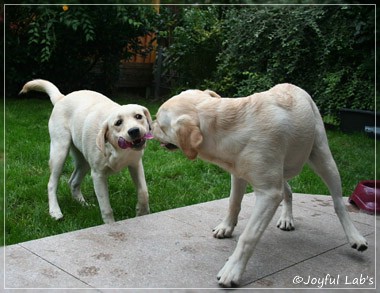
<point>134,132</point>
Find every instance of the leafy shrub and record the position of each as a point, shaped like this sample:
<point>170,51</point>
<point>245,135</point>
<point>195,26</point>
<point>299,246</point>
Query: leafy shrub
<point>327,50</point>
<point>348,69</point>
<point>194,41</point>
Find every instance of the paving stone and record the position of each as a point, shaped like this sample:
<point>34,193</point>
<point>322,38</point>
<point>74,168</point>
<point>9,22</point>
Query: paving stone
<point>336,268</point>
<point>175,249</point>
<point>24,269</point>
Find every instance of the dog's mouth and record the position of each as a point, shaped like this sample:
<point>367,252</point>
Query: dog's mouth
<point>169,146</point>
<point>136,144</point>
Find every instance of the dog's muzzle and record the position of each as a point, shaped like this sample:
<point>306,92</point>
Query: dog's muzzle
<point>136,144</point>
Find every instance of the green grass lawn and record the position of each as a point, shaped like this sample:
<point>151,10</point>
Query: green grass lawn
<point>173,181</point>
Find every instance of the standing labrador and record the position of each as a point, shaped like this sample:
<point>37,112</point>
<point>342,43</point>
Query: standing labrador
<point>263,139</point>
<point>102,136</point>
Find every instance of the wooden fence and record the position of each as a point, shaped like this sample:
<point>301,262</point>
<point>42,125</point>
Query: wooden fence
<point>138,71</point>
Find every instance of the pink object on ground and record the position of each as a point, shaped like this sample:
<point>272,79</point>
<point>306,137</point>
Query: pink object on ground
<point>366,196</point>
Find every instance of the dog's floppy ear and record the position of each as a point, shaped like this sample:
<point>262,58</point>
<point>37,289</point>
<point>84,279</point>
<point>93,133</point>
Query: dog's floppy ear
<point>102,138</point>
<point>148,117</point>
<point>189,136</point>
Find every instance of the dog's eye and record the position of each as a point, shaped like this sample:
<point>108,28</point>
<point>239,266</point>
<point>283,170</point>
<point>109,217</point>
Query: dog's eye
<point>138,116</point>
<point>118,122</point>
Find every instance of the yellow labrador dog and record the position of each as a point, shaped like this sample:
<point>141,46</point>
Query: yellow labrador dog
<point>263,139</point>
<point>102,136</point>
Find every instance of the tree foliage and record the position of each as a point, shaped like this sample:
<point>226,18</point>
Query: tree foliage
<point>329,50</point>
<point>194,38</point>
<point>63,43</point>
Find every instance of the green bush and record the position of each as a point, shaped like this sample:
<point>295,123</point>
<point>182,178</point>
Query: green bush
<point>327,50</point>
<point>193,40</point>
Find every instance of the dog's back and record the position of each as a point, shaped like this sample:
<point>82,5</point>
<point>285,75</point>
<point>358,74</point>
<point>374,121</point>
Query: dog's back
<point>86,97</point>
<point>76,106</point>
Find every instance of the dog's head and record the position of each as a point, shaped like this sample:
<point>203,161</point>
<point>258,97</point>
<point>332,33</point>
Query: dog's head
<point>177,123</point>
<point>127,127</point>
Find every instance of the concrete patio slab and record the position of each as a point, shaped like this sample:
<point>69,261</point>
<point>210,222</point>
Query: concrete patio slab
<point>175,249</point>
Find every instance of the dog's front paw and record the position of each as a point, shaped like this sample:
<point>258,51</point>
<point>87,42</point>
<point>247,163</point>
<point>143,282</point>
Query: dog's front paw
<point>86,204</point>
<point>359,243</point>
<point>56,214</point>
<point>285,223</point>
<point>108,217</point>
<point>79,198</point>
<point>142,210</point>
<point>223,230</point>
<point>230,274</point>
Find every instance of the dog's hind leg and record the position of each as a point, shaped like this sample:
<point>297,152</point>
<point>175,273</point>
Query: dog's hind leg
<point>80,171</point>
<point>59,149</point>
<point>286,219</point>
<point>227,226</point>
<point>323,164</point>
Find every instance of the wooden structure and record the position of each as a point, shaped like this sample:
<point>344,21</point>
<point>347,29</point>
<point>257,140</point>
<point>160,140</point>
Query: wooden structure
<point>138,71</point>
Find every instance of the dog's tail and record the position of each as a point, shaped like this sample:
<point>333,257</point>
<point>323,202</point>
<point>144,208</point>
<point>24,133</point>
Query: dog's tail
<point>44,86</point>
